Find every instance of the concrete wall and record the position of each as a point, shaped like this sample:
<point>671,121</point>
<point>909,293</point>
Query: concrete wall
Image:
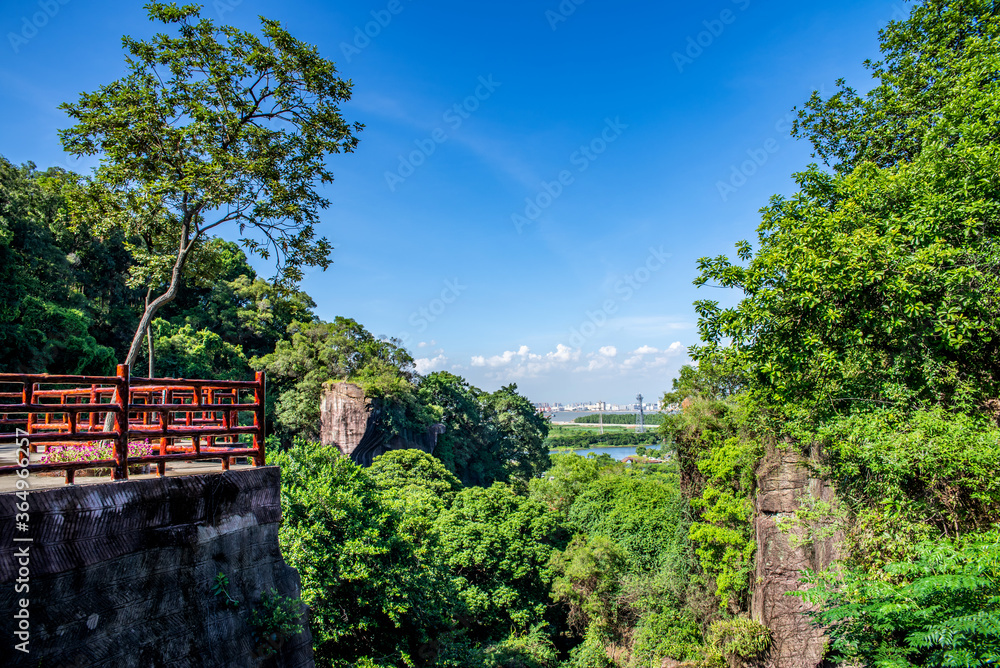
<point>121,573</point>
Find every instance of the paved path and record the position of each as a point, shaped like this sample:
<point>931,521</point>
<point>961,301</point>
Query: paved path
<point>8,482</point>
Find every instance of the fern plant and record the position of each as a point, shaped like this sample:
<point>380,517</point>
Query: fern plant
<point>942,608</point>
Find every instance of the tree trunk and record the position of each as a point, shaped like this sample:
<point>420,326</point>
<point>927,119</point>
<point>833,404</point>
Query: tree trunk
<point>149,342</point>
<point>184,247</point>
<point>149,339</point>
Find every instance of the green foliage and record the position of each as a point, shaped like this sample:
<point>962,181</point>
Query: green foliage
<point>625,578</point>
<point>318,352</point>
<point>737,640</point>
<point>220,588</point>
<point>531,649</point>
<point>419,488</point>
<point>878,285</point>
<point>724,533</point>
<point>714,379</point>
<point>397,470</point>
<point>924,58</point>
<point>488,436</point>
<point>908,477</point>
<point>55,294</point>
<point>182,352</point>
<point>187,143</point>
<point>666,628</point>
<point>583,439</point>
<point>498,545</point>
<point>643,514</point>
<point>220,291</point>
<point>589,584</point>
<point>519,433</point>
<point>718,463</point>
<point>361,579</point>
<point>569,475</point>
<point>275,621</point>
<point>941,607</point>
<point>48,337</point>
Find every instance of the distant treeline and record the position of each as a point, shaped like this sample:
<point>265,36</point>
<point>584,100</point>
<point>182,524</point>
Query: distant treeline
<point>620,418</point>
<point>589,438</point>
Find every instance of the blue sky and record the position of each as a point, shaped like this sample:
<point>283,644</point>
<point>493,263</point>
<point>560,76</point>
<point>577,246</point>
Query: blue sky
<point>535,181</point>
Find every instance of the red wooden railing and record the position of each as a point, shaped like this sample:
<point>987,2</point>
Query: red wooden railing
<point>185,420</point>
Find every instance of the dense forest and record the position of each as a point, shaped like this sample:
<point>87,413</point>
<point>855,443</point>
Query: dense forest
<point>864,340</point>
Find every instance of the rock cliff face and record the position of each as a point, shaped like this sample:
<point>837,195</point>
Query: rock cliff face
<point>120,574</point>
<point>786,481</point>
<point>350,420</point>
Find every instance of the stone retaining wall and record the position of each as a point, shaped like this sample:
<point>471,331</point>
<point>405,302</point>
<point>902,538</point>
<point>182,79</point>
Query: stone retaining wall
<point>121,573</point>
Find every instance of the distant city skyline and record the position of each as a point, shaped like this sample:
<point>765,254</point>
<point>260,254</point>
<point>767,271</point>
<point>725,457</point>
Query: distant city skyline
<point>595,406</point>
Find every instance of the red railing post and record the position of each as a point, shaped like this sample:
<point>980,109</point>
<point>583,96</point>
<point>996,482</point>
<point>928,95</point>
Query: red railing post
<point>258,419</point>
<point>120,470</point>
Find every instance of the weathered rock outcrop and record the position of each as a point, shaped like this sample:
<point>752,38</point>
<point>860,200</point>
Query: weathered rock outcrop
<point>120,574</point>
<point>351,421</point>
<point>786,480</point>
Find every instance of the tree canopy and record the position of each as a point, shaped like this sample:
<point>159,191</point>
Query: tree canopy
<point>211,125</point>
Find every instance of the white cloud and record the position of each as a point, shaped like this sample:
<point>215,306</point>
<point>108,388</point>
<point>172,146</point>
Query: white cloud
<point>425,365</point>
<point>424,344</point>
<point>522,363</point>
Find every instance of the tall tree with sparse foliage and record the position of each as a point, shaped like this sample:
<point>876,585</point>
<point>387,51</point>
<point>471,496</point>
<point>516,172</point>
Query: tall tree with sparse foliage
<point>211,126</point>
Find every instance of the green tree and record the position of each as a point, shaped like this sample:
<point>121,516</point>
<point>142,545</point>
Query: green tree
<point>924,60</point>
<point>465,445</point>
<point>184,352</point>
<point>368,594</point>
<point>940,607</point>
<point>880,284</point>
<point>397,470</point>
<point>47,324</point>
<point>497,545</point>
<point>520,433</point>
<point>317,352</point>
<point>589,583</point>
<point>489,436</point>
<point>188,142</point>
<point>568,476</point>
<point>643,514</point>
<point>222,292</point>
